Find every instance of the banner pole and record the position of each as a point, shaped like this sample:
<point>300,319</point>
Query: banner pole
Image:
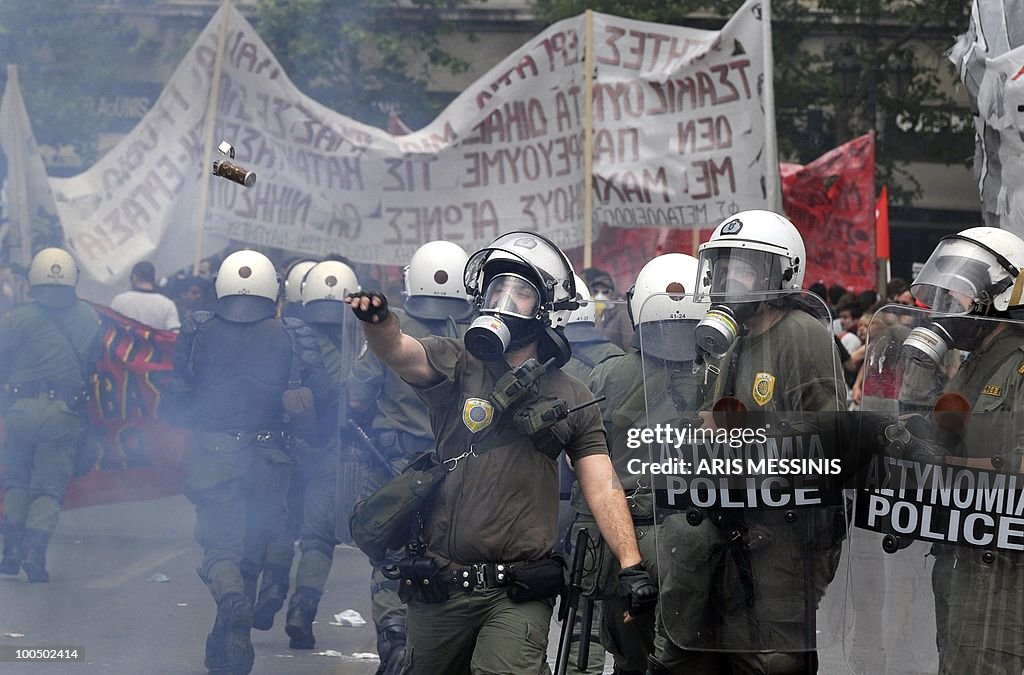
<point>771,150</point>
<point>18,175</point>
<point>588,141</point>
<point>211,119</point>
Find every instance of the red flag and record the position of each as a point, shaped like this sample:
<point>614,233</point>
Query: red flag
<point>831,201</point>
<point>882,224</point>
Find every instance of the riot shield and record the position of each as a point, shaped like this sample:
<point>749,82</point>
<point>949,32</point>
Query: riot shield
<point>939,556</point>
<point>752,520</point>
<point>350,468</point>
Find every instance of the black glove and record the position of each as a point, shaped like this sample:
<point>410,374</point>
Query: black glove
<point>373,314</point>
<point>636,584</point>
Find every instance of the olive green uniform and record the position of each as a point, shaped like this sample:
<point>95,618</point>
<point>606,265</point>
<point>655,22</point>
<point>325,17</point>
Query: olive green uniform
<point>45,369</point>
<point>789,559</point>
<point>498,507</point>
<point>621,380</point>
<point>979,593</point>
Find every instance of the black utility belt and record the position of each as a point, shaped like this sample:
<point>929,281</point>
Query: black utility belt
<point>53,390</point>
<point>423,579</point>
<point>480,575</point>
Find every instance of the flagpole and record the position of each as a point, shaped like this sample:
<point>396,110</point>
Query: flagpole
<point>588,141</point>
<point>211,119</point>
<point>18,175</point>
<point>773,189</point>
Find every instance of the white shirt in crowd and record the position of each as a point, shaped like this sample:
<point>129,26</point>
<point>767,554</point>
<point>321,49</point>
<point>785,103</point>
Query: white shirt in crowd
<point>148,307</point>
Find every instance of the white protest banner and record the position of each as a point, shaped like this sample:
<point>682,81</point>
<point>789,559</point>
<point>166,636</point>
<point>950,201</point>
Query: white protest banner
<point>990,61</point>
<point>678,140</point>
<point>31,212</point>
<point>679,122</point>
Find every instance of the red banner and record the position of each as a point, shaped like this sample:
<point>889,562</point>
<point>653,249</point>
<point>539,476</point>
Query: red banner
<point>832,203</point>
<point>132,454</point>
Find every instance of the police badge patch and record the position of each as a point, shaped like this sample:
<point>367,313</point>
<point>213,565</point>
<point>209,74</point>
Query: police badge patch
<point>764,387</point>
<point>477,413</point>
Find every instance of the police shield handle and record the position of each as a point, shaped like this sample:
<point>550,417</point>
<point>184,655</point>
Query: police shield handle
<point>728,413</point>
<point>951,413</point>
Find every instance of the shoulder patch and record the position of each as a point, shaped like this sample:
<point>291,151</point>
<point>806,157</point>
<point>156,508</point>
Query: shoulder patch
<point>477,414</point>
<point>764,388</point>
<point>992,390</point>
<point>1020,368</point>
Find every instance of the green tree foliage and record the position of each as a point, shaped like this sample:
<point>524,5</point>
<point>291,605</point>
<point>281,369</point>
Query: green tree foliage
<point>841,69</point>
<point>65,54</point>
<point>363,58</point>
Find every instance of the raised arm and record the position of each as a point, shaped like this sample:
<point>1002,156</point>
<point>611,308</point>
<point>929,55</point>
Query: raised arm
<point>400,352</point>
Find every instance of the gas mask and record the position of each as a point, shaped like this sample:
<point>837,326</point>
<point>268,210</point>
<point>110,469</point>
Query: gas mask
<point>928,345</point>
<point>958,288</point>
<point>733,276</point>
<point>720,327</point>
<point>509,318</point>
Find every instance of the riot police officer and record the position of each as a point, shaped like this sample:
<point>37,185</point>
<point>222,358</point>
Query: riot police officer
<point>249,376</point>
<point>49,349</point>
<point>669,350</point>
<point>324,288</point>
<point>435,304</point>
<point>482,585</point>
<point>589,345</point>
<point>293,276</point>
<point>742,582</point>
<point>972,286</point>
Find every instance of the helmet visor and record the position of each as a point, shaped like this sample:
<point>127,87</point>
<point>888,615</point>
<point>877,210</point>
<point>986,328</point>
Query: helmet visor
<point>957,278</point>
<point>511,295</point>
<point>737,272</point>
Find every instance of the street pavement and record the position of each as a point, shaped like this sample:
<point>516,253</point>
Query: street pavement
<point>124,590</point>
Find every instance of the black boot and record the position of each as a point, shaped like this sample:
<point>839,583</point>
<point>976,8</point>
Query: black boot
<point>391,645</point>
<point>273,592</point>
<point>216,660</point>
<point>34,563</point>
<point>14,549</point>
<point>301,612</point>
<point>235,615</point>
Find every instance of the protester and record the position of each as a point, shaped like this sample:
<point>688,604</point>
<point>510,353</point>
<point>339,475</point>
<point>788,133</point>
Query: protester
<point>144,303</point>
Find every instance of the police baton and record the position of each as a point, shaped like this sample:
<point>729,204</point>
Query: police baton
<point>572,600</point>
<point>370,447</point>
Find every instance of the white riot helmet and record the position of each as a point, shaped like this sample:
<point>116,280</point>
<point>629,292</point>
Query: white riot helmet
<point>663,309</point>
<point>324,289</point>
<point>973,273</point>
<point>247,286</point>
<point>582,323</point>
<point>293,280</point>
<point>524,288</point>
<point>434,285</point>
<point>751,257</point>
<point>761,246</point>
<point>52,277</point>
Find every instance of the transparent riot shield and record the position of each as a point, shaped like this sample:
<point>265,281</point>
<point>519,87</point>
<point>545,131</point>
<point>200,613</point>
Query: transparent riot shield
<point>939,555</point>
<point>351,469</point>
<point>752,519</point>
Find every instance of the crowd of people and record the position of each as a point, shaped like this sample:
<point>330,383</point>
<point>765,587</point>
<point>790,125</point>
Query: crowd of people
<point>516,390</point>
